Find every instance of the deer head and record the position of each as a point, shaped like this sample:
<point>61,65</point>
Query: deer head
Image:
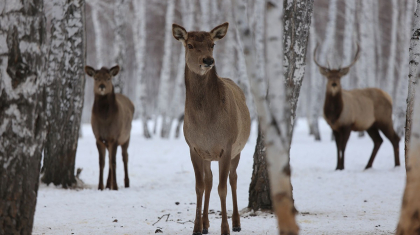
<point>103,79</point>
<point>199,46</point>
<point>334,75</point>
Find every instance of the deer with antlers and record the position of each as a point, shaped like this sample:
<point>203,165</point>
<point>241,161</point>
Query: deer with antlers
<point>216,123</point>
<point>368,109</point>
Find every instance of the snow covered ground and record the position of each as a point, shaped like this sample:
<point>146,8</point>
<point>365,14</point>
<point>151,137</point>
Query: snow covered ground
<point>353,201</point>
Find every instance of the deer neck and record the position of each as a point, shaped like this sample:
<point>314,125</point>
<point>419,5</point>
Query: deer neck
<point>105,105</point>
<point>202,91</point>
<point>333,105</point>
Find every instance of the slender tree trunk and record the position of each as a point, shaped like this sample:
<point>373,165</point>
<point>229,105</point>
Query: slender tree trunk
<point>390,74</point>
<point>413,75</point>
<point>259,189</point>
<point>367,63</point>
<point>139,34</point>
<point>409,222</point>
<point>121,13</point>
<point>348,40</point>
<point>65,90</point>
<point>400,104</point>
<point>165,73</point>
<point>22,120</point>
<point>97,27</point>
<point>298,15</point>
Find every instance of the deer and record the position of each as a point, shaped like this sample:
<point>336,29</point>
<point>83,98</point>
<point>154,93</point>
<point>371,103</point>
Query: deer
<point>111,119</point>
<point>368,109</point>
<point>216,123</point>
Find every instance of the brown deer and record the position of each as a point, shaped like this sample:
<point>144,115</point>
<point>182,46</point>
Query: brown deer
<point>368,109</point>
<point>216,123</point>
<point>111,123</point>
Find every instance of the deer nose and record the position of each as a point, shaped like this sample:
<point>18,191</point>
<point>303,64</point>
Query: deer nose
<point>208,61</point>
<point>334,84</point>
<point>102,86</point>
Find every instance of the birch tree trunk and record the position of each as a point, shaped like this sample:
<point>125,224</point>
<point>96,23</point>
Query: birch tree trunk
<point>97,27</point>
<point>367,64</point>
<point>298,15</point>
<point>165,73</point>
<point>390,72</point>
<point>65,91</point>
<point>348,41</point>
<point>409,222</point>
<point>315,106</point>
<point>120,49</point>
<point>259,188</point>
<point>412,76</point>
<point>274,114</point>
<point>139,34</point>
<point>22,120</point>
<point>400,104</point>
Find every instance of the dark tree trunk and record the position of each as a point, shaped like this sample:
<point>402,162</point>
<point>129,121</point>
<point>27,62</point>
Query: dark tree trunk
<point>65,90</point>
<point>22,129</point>
<point>259,189</point>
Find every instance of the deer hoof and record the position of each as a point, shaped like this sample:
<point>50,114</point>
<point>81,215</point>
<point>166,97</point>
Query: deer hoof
<point>236,229</point>
<point>205,231</point>
<point>196,233</point>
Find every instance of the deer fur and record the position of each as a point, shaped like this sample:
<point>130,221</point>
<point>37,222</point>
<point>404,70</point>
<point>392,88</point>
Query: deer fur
<point>368,109</point>
<point>112,115</point>
<point>216,123</point>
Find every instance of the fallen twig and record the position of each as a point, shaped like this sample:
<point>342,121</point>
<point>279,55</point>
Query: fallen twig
<point>159,218</point>
<point>185,222</point>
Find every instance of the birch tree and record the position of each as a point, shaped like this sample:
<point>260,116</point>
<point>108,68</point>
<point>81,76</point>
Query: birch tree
<point>412,75</point>
<point>274,114</point>
<point>121,12</point>
<point>65,90</point>
<point>390,72</point>
<point>348,41</point>
<point>139,34</point>
<point>409,222</point>
<point>163,98</point>
<point>22,128</point>
<point>400,104</point>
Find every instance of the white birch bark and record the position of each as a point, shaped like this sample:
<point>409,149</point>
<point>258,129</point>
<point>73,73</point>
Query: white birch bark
<point>390,72</point>
<point>121,12</point>
<point>330,32</point>
<point>64,91</point>
<point>226,48</point>
<point>316,82</point>
<point>139,34</point>
<point>273,111</point>
<point>412,75</point>
<point>178,101</point>
<point>163,98</point>
<point>348,42</point>
<point>22,114</point>
<point>97,27</point>
<point>400,105</point>
<point>367,63</point>
<point>409,222</point>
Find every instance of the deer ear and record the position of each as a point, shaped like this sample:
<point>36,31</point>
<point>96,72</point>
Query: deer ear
<point>90,71</point>
<point>344,71</point>
<point>324,71</point>
<point>219,32</point>
<point>179,33</point>
<point>114,70</point>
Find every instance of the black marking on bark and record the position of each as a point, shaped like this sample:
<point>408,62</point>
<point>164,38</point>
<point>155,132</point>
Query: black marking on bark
<point>16,68</point>
<point>286,170</point>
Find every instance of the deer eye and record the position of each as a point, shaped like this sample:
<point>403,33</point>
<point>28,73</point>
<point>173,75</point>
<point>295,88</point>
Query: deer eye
<point>212,46</point>
<point>190,46</point>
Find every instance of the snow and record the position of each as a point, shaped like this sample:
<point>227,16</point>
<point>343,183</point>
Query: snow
<point>353,201</point>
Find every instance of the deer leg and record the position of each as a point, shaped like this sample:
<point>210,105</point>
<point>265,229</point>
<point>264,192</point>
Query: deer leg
<point>345,134</point>
<point>224,168</point>
<point>236,222</point>
<point>208,181</point>
<point>101,150</point>
<point>337,137</point>
<point>198,165</point>
<point>124,148</point>
<point>389,132</point>
<point>377,141</point>
<point>112,149</point>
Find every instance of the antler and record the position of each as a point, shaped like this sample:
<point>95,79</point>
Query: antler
<point>316,62</point>
<point>356,57</point>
